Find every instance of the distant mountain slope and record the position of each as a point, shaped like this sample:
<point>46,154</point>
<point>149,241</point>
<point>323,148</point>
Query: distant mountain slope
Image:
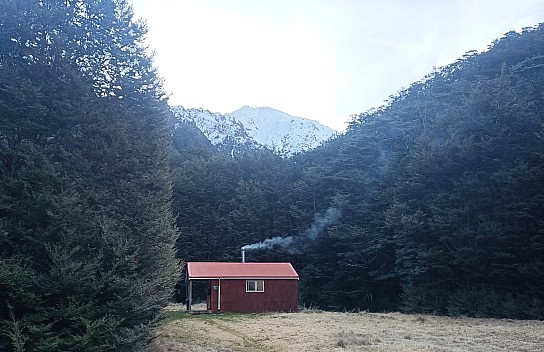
<point>282,132</point>
<point>250,128</point>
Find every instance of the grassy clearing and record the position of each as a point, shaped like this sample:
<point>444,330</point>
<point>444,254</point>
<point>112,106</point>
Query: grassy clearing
<point>177,315</point>
<point>330,331</point>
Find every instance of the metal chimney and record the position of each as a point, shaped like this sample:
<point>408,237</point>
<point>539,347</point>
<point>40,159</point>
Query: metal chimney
<point>243,256</point>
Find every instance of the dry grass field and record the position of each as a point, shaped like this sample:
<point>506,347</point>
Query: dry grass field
<point>328,331</point>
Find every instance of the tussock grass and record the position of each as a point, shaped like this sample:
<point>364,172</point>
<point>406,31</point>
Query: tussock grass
<point>420,319</point>
<point>351,338</point>
<point>314,330</point>
<point>310,309</point>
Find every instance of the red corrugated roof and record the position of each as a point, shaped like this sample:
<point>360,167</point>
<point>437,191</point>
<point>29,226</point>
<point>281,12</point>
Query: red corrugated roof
<point>220,270</point>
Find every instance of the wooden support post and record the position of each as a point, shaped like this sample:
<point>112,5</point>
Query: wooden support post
<point>189,296</point>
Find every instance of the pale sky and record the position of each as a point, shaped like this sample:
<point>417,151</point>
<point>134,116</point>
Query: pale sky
<point>319,59</point>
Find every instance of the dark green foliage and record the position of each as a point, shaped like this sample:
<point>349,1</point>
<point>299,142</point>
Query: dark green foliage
<point>223,203</point>
<point>86,230</point>
<point>441,193</point>
<point>467,201</point>
<point>485,303</point>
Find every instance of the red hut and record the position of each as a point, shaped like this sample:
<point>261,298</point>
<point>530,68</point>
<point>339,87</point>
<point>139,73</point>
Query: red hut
<point>245,287</point>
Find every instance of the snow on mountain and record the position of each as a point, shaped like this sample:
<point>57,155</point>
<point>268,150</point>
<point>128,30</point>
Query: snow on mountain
<point>282,132</point>
<point>215,126</point>
<point>250,127</point>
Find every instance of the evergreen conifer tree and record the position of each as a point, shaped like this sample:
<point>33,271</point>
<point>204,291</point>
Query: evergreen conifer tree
<point>86,230</point>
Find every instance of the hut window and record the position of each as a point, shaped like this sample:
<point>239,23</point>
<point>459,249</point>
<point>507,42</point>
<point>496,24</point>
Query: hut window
<point>255,286</point>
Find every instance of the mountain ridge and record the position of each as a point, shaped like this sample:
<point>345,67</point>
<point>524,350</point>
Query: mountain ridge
<point>253,128</point>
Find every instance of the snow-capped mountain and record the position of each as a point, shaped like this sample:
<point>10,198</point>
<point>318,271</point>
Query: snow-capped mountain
<point>250,127</point>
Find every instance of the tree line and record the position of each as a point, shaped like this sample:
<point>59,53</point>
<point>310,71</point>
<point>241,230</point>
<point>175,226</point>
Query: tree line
<point>440,189</point>
<point>86,229</point>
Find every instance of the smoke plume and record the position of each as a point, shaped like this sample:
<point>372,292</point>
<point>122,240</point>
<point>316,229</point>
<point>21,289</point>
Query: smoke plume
<point>293,244</point>
<point>279,241</point>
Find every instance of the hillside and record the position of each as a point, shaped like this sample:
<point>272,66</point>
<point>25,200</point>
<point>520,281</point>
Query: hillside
<point>330,331</point>
<point>440,191</point>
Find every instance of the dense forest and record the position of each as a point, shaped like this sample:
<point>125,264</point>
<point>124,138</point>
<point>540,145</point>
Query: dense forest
<point>86,230</point>
<point>432,203</point>
<point>441,194</point>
